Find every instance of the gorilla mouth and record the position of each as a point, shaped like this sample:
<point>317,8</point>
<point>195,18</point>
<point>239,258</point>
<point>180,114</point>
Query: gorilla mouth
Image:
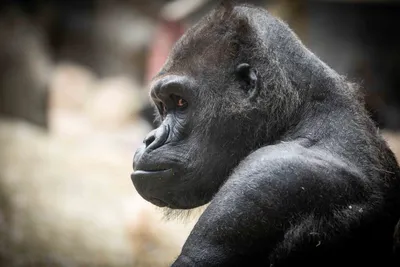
<point>150,173</point>
<point>151,176</point>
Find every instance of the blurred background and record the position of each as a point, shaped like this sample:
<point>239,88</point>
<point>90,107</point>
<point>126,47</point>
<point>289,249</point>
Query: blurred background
<point>74,107</point>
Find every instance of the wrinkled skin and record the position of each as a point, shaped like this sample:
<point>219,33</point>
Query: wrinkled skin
<point>276,142</point>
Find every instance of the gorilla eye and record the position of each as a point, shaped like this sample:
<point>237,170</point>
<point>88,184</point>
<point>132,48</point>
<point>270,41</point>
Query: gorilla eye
<point>179,101</point>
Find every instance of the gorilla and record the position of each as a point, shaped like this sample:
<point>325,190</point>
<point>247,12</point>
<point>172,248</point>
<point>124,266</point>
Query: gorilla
<point>277,143</point>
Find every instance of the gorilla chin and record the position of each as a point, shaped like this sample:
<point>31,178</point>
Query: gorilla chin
<point>147,182</point>
<point>153,186</point>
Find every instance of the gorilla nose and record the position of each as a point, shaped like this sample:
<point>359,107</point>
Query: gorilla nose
<point>157,137</point>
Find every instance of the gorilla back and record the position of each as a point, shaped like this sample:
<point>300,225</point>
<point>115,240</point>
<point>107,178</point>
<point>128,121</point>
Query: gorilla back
<point>277,142</point>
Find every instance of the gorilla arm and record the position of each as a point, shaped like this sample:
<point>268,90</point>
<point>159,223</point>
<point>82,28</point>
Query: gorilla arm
<point>274,199</point>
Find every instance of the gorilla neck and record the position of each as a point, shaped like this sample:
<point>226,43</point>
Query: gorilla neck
<point>326,98</point>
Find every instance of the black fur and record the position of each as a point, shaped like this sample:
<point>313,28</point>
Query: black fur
<point>296,172</point>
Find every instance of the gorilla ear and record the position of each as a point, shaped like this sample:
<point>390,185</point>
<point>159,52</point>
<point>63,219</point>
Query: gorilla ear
<point>248,77</point>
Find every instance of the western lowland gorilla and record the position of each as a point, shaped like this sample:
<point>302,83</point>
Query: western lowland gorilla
<point>280,146</point>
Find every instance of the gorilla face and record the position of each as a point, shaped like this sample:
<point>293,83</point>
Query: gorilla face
<point>184,161</point>
<point>204,99</point>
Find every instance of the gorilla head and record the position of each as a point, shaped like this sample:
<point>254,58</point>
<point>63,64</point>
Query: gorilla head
<point>222,93</point>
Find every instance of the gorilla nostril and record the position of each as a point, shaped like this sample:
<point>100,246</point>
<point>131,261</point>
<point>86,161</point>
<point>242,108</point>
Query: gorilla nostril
<point>157,137</point>
<point>149,140</point>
